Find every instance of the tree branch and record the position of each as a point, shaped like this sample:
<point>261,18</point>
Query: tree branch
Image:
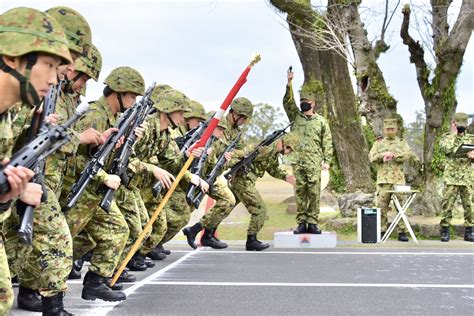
<point>439,24</point>
<point>416,52</point>
<point>462,29</point>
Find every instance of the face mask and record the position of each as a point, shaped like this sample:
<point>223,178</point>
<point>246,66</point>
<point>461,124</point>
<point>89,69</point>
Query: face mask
<point>461,129</point>
<point>305,106</point>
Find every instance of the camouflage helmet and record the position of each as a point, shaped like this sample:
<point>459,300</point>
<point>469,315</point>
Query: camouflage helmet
<point>196,110</point>
<point>390,123</point>
<point>310,89</point>
<point>242,106</point>
<point>291,140</point>
<point>461,119</point>
<point>77,30</point>
<point>222,122</point>
<point>169,100</point>
<point>125,79</point>
<point>91,64</point>
<point>26,30</point>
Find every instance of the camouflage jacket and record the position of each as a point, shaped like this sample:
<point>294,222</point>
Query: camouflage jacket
<point>155,148</point>
<point>315,144</point>
<point>266,161</point>
<point>390,172</point>
<point>458,171</point>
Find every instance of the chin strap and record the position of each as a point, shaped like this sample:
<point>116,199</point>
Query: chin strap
<point>26,88</point>
<point>120,101</point>
<point>171,120</point>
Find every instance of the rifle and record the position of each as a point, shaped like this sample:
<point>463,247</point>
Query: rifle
<point>196,168</point>
<point>43,145</point>
<point>100,157</point>
<point>215,172</point>
<point>122,156</point>
<point>184,143</point>
<point>244,164</point>
<point>38,125</point>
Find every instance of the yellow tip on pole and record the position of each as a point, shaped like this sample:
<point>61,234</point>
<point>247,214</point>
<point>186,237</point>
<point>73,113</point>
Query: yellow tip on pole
<point>255,59</point>
<point>153,218</point>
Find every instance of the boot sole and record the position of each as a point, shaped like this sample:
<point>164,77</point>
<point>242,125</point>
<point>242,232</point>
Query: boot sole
<point>30,309</point>
<point>94,297</point>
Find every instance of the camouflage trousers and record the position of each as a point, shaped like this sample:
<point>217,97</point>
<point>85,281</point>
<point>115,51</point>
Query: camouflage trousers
<point>450,196</point>
<point>178,214</point>
<point>47,262</point>
<point>382,201</point>
<point>16,251</point>
<point>108,230</point>
<point>225,202</point>
<point>135,213</point>
<point>6,290</point>
<point>82,244</point>
<point>245,191</point>
<point>307,194</point>
<point>159,226</point>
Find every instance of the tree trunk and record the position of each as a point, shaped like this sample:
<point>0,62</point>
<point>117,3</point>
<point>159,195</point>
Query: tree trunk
<point>439,93</point>
<point>339,99</point>
<point>376,101</point>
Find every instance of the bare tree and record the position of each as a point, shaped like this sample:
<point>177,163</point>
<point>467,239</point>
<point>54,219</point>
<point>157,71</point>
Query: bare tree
<point>330,68</point>
<point>437,86</point>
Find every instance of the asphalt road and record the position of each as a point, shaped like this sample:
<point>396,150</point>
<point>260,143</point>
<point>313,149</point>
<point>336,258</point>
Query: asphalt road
<point>347,281</point>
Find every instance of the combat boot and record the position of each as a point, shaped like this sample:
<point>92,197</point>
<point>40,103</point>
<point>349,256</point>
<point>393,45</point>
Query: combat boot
<point>445,234</point>
<point>136,264</point>
<point>75,273</point>
<point>313,229</point>
<point>156,255</point>
<point>53,306</point>
<point>468,236</point>
<point>29,300</point>
<point>116,287</point>
<point>402,237</point>
<point>253,244</point>
<point>96,287</point>
<point>191,233</point>
<point>208,240</point>
<point>163,250</point>
<point>301,229</point>
<point>126,277</point>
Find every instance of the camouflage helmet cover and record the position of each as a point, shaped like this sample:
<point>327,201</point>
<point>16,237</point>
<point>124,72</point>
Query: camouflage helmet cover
<point>76,28</point>
<point>196,110</point>
<point>26,30</point>
<point>291,140</point>
<point>461,119</point>
<point>390,123</point>
<point>242,106</point>
<point>169,100</point>
<point>125,79</point>
<point>91,64</point>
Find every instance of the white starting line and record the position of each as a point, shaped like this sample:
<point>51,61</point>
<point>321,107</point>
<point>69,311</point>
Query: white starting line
<point>270,284</point>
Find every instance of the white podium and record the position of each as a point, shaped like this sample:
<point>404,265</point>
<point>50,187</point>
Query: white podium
<point>290,240</point>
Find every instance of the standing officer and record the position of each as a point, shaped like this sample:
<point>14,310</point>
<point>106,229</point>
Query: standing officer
<point>388,154</point>
<point>458,177</point>
<point>313,153</point>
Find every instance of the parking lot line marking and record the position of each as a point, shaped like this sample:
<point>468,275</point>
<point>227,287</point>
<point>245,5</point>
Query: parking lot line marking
<point>340,253</point>
<point>270,284</point>
<point>105,307</point>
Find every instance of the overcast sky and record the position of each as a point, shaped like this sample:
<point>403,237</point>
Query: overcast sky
<point>200,47</point>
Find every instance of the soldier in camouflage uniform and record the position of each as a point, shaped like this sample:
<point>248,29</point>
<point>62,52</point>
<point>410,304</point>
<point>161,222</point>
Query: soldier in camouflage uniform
<point>108,229</point>
<point>458,177</point>
<point>51,251</point>
<point>159,147</point>
<point>388,155</point>
<point>33,46</point>
<point>243,185</point>
<point>178,211</point>
<point>240,111</point>
<point>313,153</point>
